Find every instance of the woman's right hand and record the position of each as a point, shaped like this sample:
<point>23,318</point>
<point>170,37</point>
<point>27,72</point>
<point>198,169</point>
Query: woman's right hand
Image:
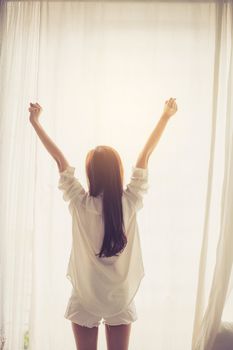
<point>170,107</point>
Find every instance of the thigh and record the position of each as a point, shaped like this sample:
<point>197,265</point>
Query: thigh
<point>85,338</point>
<point>117,337</point>
<point>118,328</point>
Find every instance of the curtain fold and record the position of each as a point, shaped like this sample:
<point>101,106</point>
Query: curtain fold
<point>3,271</point>
<point>208,319</point>
<point>17,160</point>
<point>102,71</point>
<point>200,302</point>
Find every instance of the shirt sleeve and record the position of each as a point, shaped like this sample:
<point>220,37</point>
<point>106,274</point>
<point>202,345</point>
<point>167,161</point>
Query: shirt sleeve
<point>138,186</point>
<point>70,185</point>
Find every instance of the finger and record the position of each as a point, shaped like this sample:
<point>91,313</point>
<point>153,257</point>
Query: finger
<point>170,102</point>
<point>173,101</point>
<point>35,105</point>
<point>38,105</point>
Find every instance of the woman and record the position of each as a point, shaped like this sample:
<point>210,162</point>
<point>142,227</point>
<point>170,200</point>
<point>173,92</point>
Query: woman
<point>105,266</point>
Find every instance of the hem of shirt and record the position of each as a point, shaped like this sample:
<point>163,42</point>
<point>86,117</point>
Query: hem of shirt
<point>131,300</point>
<point>115,314</point>
<point>69,169</point>
<point>144,171</point>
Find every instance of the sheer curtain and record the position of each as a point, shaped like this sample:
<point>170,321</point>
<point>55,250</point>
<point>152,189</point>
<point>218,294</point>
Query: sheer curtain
<point>102,71</point>
<point>218,223</point>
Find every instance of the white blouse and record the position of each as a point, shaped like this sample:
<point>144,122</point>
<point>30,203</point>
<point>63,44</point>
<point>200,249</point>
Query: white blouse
<point>105,285</point>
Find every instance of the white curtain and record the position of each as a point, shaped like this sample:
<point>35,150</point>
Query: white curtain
<point>218,222</point>
<point>102,71</point>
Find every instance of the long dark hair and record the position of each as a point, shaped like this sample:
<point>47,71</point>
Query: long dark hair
<point>105,175</point>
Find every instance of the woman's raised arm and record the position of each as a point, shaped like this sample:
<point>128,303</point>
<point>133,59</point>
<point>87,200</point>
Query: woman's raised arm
<point>35,110</point>
<point>170,108</point>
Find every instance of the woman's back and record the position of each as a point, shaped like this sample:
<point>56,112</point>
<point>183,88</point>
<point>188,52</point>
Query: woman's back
<point>106,285</point>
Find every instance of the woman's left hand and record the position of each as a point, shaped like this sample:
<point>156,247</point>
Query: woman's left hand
<point>35,110</point>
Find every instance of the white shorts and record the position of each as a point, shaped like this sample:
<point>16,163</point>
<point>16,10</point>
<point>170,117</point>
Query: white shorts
<point>77,314</point>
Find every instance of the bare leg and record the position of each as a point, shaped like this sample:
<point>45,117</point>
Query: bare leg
<point>117,337</point>
<point>85,338</point>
